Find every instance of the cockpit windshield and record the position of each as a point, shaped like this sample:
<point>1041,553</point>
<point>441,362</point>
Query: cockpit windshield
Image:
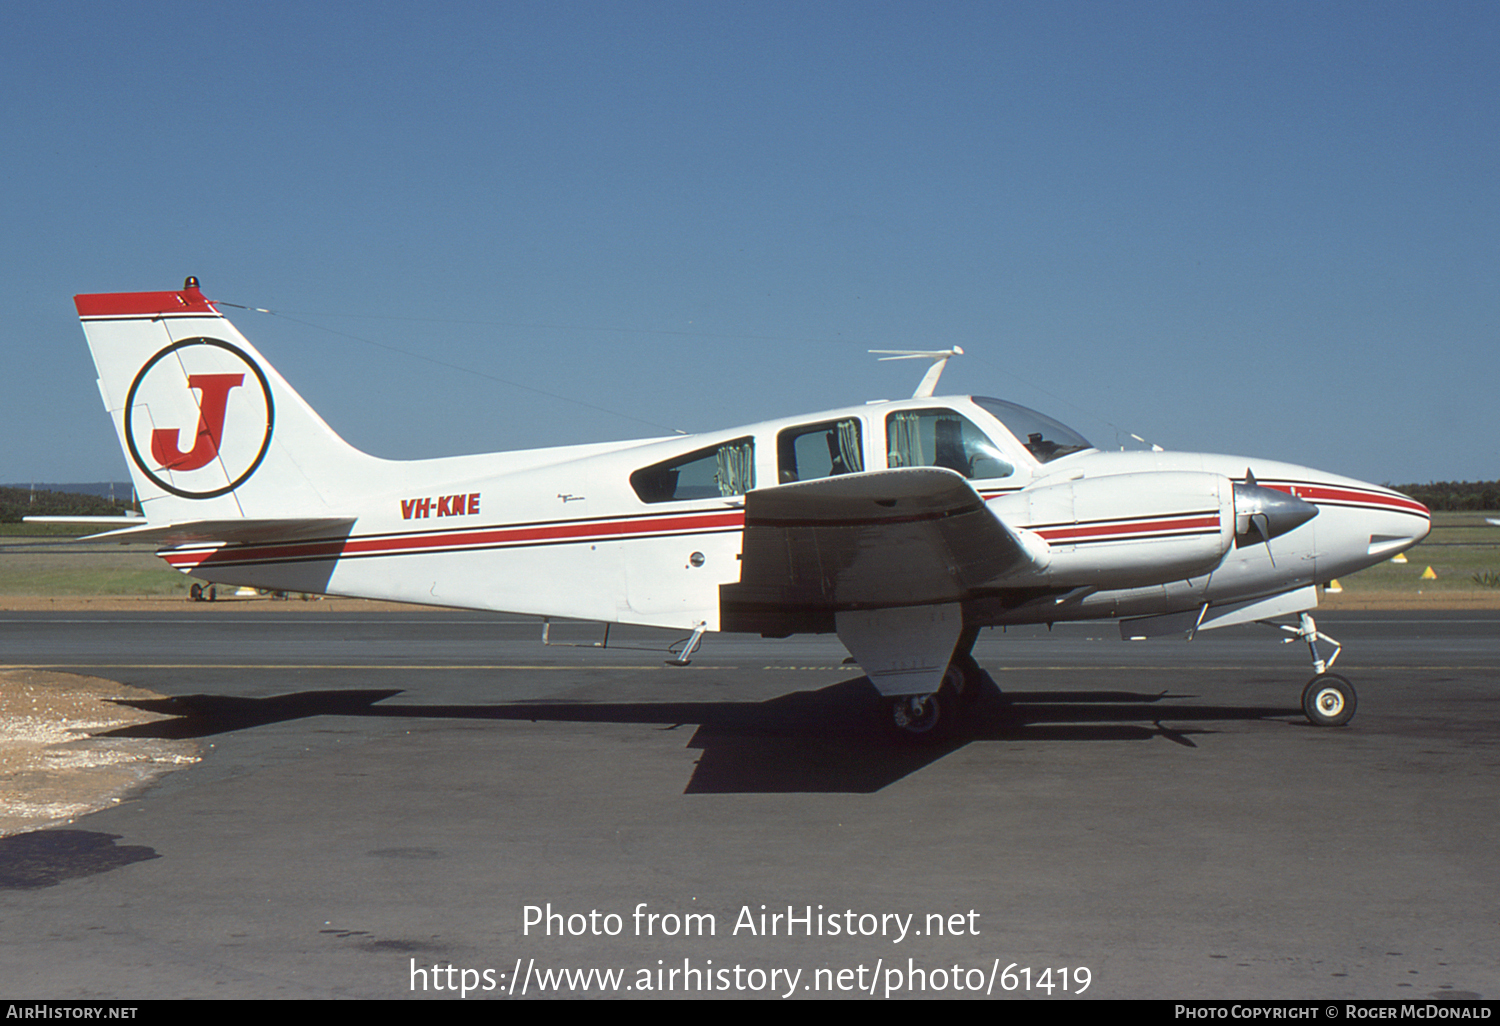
<point>1044,438</point>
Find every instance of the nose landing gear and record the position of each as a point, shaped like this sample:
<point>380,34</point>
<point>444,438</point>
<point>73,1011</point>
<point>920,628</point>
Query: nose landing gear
<point>1329,699</point>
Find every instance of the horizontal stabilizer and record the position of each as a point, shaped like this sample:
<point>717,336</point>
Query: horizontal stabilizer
<point>96,521</point>
<point>206,531</point>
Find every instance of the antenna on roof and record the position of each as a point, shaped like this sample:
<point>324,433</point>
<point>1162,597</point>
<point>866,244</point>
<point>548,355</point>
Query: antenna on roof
<point>939,358</point>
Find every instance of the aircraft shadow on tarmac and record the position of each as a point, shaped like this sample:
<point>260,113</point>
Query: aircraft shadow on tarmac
<point>833,739</point>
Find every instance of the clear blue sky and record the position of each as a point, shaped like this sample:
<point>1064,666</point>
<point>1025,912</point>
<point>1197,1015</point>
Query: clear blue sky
<point>1258,228</point>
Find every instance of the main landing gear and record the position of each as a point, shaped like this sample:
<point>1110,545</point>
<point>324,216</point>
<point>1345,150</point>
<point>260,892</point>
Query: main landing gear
<point>1329,699</point>
<point>936,717</point>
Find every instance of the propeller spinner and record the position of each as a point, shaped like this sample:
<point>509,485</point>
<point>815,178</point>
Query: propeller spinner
<point>1262,513</point>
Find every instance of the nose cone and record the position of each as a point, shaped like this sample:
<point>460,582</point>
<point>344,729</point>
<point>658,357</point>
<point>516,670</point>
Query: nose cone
<point>1261,513</point>
<point>1362,524</point>
<point>1397,534</point>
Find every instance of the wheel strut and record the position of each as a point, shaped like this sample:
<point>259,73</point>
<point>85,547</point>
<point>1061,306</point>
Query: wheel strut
<point>691,646</point>
<point>1307,630</point>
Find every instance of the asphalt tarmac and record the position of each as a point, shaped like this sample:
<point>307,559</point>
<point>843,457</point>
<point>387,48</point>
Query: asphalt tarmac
<point>433,805</point>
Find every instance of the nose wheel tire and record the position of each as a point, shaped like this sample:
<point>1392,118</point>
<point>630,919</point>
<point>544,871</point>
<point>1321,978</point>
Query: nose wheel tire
<point>1329,700</point>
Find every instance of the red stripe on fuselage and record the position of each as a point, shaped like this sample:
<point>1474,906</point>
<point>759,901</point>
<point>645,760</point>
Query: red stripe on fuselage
<point>1338,494</point>
<point>1319,493</point>
<point>1102,532</point>
<point>450,541</point>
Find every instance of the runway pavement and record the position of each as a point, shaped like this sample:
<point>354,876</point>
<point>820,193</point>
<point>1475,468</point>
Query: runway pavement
<point>433,805</point>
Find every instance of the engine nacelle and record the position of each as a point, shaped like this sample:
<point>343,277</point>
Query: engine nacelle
<point>1126,530</point>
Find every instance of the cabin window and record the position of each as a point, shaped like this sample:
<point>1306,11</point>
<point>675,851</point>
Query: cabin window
<point>713,473</point>
<point>812,451</point>
<point>942,438</point>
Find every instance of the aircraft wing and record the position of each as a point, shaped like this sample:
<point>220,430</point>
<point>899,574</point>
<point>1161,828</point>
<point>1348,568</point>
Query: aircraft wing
<point>905,537</point>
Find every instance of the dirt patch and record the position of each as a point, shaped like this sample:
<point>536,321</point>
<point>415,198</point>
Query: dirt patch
<point>57,760</point>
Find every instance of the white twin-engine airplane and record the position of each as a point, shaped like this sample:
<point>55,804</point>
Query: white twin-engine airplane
<point>904,527</point>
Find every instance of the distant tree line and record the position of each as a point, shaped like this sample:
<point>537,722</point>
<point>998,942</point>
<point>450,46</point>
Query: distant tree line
<point>16,503</point>
<point>1455,496</point>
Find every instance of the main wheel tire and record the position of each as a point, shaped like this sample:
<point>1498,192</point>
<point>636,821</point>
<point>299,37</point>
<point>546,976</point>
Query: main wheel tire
<point>964,679</point>
<point>1329,700</point>
<point>924,717</point>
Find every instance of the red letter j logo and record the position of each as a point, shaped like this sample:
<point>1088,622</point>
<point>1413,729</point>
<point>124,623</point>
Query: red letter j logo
<point>215,399</point>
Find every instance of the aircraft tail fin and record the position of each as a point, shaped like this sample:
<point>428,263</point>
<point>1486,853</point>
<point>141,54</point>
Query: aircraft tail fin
<point>210,430</point>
